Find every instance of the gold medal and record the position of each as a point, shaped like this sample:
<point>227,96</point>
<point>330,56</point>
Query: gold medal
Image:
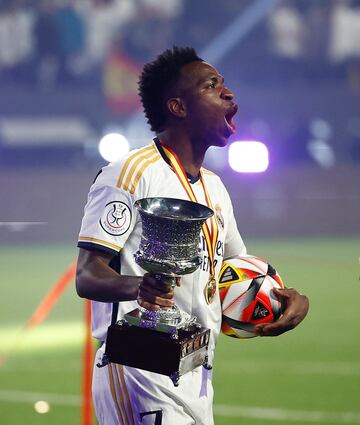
<point>210,290</point>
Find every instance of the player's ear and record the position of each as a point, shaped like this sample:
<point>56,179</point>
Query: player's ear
<point>176,107</point>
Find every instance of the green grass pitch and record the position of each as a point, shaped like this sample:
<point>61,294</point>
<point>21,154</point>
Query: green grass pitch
<point>308,376</point>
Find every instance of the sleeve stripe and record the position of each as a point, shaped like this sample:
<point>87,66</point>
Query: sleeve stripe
<point>135,165</point>
<point>91,246</point>
<point>100,242</point>
<point>128,161</point>
<point>141,171</point>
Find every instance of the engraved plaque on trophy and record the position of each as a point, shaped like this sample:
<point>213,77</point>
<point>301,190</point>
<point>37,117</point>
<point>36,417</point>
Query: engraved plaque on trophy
<point>168,341</point>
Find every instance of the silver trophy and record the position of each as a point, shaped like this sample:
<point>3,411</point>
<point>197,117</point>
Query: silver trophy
<point>169,247</point>
<point>167,341</point>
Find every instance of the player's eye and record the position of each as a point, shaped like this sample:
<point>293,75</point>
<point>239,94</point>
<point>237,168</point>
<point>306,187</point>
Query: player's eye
<point>212,85</point>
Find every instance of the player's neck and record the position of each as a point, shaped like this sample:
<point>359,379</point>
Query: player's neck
<point>190,157</point>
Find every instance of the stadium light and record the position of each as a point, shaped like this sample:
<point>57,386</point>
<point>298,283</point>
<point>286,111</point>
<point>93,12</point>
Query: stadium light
<point>248,157</point>
<point>113,146</point>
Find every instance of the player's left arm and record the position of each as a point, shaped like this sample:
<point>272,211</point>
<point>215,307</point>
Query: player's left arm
<point>296,309</point>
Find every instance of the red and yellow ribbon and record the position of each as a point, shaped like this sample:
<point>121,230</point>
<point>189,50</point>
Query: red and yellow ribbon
<point>210,233</point>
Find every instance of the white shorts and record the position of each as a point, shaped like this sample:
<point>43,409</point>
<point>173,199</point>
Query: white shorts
<point>128,396</point>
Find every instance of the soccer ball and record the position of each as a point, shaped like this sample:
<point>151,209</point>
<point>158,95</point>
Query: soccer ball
<point>247,299</point>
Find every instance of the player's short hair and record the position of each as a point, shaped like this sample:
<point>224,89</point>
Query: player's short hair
<point>157,78</point>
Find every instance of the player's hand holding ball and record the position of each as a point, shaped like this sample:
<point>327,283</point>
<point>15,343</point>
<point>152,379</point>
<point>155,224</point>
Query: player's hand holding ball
<point>155,293</point>
<point>296,308</point>
<point>254,300</point>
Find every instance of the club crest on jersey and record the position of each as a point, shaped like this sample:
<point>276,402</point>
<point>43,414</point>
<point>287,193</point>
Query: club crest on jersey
<point>116,218</point>
<point>219,217</point>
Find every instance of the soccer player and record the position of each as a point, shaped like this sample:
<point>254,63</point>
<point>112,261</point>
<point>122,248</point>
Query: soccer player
<point>189,108</point>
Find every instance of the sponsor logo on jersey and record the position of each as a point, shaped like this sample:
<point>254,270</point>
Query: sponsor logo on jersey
<point>116,218</point>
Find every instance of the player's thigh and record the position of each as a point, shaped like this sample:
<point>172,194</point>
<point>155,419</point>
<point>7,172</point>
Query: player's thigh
<point>125,395</point>
<point>154,397</point>
<point>120,400</point>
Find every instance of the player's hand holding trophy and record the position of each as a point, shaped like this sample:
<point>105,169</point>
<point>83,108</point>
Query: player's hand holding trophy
<point>166,341</point>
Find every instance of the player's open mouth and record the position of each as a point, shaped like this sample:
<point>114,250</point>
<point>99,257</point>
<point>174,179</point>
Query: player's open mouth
<point>229,118</point>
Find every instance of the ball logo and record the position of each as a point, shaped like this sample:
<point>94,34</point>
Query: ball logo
<point>260,311</point>
<point>116,218</point>
<point>232,275</point>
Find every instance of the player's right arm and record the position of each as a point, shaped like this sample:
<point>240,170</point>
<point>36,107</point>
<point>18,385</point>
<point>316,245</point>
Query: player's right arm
<point>97,281</point>
<point>109,219</point>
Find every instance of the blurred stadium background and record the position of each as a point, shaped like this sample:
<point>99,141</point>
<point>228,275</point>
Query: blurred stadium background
<point>68,74</point>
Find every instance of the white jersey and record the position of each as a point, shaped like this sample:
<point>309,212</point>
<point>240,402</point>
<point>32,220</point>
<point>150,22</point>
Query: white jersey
<point>112,223</point>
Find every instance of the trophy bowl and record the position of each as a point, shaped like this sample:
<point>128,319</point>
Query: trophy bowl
<point>170,235</point>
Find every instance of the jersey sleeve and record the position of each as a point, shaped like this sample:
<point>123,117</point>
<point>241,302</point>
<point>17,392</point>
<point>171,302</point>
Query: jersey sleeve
<point>109,219</point>
<point>234,244</point>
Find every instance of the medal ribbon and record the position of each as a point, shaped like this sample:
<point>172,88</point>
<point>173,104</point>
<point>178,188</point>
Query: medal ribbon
<point>210,234</point>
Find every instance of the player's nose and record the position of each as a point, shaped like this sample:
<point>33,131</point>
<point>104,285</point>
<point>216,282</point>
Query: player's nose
<point>227,94</point>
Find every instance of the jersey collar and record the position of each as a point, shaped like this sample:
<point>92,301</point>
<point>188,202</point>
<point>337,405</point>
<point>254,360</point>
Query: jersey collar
<point>192,179</point>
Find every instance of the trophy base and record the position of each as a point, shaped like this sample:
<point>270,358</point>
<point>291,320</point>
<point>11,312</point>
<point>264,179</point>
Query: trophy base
<point>158,352</point>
